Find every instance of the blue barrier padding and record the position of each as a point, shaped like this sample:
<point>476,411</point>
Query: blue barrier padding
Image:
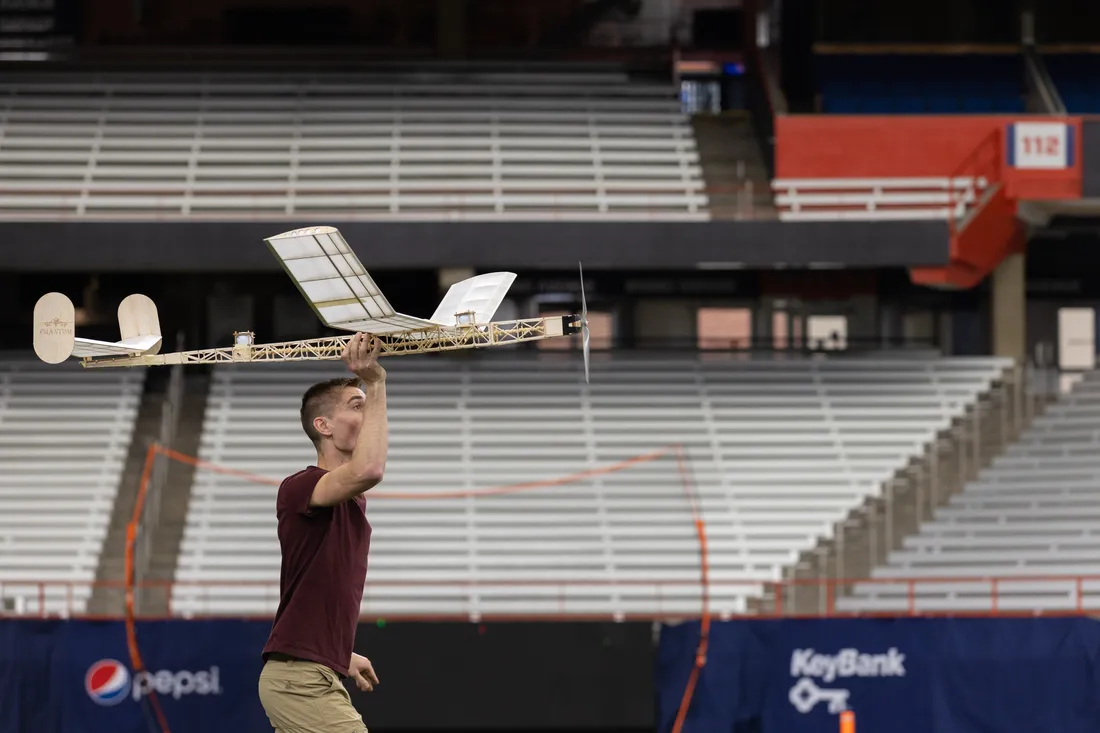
<point>76,677</point>
<point>785,676</point>
<point>907,675</point>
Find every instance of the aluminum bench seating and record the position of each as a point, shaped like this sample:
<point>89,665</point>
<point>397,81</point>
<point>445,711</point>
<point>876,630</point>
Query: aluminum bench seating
<point>779,449</point>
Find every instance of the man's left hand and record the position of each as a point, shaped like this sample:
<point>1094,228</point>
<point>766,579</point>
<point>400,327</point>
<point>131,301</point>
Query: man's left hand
<point>362,671</point>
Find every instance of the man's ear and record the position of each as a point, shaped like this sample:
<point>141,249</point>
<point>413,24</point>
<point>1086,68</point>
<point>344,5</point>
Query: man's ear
<point>320,424</point>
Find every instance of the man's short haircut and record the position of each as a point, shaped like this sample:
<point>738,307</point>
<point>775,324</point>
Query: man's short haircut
<point>319,400</point>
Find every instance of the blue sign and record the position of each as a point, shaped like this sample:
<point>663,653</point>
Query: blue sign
<point>907,675</point>
<point>76,676</point>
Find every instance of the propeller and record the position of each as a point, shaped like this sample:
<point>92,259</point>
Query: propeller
<point>584,323</point>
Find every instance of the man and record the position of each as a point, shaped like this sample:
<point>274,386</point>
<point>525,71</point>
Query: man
<point>324,537</point>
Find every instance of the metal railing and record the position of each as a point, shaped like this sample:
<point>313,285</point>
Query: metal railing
<point>150,517</point>
<point>570,600</point>
<point>870,199</point>
<point>865,538</point>
<point>982,163</point>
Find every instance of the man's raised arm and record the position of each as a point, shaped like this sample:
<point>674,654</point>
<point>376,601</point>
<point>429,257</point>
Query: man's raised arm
<point>368,458</point>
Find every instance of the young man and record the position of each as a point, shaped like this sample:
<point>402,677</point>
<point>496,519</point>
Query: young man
<point>324,537</point>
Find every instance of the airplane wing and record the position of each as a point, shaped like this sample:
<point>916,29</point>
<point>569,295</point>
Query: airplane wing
<point>337,286</point>
<point>481,294</point>
<point>126,347</point>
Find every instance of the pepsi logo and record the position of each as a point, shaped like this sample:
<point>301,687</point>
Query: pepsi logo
<point>107,682</point>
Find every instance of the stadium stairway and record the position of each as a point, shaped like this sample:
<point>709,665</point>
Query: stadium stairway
<point>108,595</point>
<point>1003,542</point>
<point>886,521</point>
<point>108,598</point>
<point>732,164</point>
<point>176,495</point>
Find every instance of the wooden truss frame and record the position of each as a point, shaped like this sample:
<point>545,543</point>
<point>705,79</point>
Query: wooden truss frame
<point>327,348</point>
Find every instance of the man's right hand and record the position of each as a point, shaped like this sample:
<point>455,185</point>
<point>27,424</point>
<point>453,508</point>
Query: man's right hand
<point>362,672</point>
<point>361,356</point>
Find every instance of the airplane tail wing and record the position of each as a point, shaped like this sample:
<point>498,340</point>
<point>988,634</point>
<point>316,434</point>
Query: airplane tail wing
<point>139,323</point>
<point>128,347</point>
<point>55,330</point>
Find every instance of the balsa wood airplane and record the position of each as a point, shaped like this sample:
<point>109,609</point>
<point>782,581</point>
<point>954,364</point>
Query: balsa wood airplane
<point>342,294</point>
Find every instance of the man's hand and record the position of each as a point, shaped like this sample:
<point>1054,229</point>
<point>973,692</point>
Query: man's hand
<point>361,356</point>
<point>362,672</point>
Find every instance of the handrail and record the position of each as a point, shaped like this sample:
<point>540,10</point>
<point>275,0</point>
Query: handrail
<point>600,201</point>
<point>997,589</point>
<point>1038,79</point>
<point>147,514</point>
<point>983,162</point>
<point>865,539</point>
<point>866,199</point>
<point>769,68</point>
<point>766,102</point>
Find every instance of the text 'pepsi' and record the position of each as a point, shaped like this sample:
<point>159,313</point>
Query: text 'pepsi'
<point>177,684</point>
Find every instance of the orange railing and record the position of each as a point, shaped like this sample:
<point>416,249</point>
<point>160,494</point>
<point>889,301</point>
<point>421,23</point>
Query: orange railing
<point>983,163</point>
<point>1000,596</point>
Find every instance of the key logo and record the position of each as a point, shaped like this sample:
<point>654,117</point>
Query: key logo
<point>107,682</point>
<point>805,696</point>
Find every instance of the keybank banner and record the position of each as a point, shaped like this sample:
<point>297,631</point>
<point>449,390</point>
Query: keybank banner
<point>897,675</point>
<point>76,676</point>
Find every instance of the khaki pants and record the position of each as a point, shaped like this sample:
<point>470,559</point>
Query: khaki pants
<point>306,697</point>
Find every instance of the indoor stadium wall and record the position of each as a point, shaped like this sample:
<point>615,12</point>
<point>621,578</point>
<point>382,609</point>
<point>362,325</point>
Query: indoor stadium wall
<point>914,83</point>
<point>1074,76</point>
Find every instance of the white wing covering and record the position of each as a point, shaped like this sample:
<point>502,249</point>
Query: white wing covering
<point>337,286</point>
<point>126,347</point>
<point>481,294</point>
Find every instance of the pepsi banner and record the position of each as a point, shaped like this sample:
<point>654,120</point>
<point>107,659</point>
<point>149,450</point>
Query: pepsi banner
<point>75,676</point>
<point>905,675</point>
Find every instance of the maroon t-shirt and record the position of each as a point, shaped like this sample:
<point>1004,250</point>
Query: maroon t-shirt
<point>324,568</point>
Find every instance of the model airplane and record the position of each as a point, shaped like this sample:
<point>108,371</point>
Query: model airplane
<point>342,294</point>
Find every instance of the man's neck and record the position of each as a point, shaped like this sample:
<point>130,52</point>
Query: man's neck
<point>332,459</point>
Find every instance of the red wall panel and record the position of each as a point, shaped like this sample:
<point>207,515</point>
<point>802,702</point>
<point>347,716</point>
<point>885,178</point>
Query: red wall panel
<point>865,146</point>
<point>861,146</point>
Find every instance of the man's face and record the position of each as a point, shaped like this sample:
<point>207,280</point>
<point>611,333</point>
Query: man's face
<point>344,419</point>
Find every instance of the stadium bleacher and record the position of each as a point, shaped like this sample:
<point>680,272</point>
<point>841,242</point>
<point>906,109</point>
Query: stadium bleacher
<point>1001,543</point>
<point>779,450</point>
<point>440,143</point>
<point>64,434</point>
